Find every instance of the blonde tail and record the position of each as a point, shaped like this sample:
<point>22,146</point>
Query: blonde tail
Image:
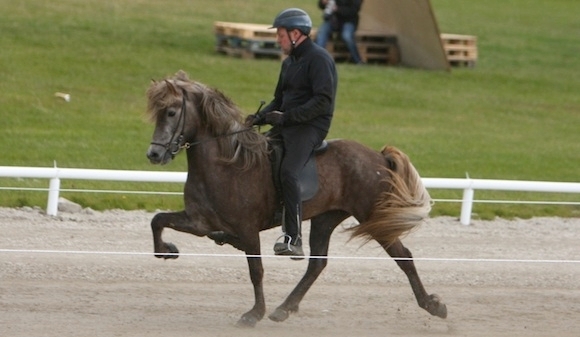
<point>403,205</point>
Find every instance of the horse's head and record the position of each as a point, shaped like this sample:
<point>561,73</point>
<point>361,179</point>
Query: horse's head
<point>188,113</point>
<point>174,128</point>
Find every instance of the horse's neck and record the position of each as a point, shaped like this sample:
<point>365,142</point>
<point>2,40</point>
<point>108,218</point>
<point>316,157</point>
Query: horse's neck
<point>224,188</point>
<point>206,167</point>
<point>202,158</point>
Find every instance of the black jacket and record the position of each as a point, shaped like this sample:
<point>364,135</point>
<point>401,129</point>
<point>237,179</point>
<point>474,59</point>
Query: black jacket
<point>306,87</point>
<point>347,10</point>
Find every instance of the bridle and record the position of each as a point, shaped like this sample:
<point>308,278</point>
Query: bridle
<point>174,146</point>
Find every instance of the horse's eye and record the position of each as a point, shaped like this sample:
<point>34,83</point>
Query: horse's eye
<point>171,113</point>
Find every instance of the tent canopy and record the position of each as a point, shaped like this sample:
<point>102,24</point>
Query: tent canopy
<point>414,24</point>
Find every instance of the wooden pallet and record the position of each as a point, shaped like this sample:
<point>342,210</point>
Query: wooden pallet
<point>247,54</point>
<point>248,49</point>
<point>372,48</point>
<point>247,31</point>
<point>248,40</point>
<point>461,50</point>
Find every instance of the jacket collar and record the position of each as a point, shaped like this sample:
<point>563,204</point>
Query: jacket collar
<point>301,49</point>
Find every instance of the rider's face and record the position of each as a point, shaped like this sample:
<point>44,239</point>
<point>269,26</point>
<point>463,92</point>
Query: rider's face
<point>285,37</point>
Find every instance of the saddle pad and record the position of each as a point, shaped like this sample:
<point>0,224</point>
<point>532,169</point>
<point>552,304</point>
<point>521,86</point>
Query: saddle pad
<point>308,179</point>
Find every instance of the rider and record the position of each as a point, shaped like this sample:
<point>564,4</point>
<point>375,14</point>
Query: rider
<point>300,113</point>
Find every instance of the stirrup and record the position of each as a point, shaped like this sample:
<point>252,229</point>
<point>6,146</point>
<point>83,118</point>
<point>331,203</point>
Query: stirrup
<point>288,249</point>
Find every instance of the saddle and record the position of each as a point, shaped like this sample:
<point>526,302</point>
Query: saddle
<point>308,177</point>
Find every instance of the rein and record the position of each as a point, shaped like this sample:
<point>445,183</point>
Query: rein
<point>175,146</point>
<point>187,145</point>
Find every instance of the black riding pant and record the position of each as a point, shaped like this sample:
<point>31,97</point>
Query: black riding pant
<point>299,143</point>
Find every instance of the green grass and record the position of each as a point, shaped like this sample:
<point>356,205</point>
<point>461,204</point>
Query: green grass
<point>516,115</point>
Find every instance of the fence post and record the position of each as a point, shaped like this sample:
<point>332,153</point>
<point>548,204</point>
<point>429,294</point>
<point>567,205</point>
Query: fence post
<point>466,206</point>
<point>467,202</point>
<point>53,193</point>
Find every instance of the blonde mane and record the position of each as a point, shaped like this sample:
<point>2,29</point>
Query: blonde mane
<point>218,116</point>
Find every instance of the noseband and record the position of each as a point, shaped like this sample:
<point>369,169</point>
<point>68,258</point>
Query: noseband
<point>174,146</point>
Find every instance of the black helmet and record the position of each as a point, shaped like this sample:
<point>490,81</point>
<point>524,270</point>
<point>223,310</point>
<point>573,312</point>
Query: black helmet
<point>293,18</point>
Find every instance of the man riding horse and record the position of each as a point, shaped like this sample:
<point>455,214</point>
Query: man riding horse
<point>300,113</point>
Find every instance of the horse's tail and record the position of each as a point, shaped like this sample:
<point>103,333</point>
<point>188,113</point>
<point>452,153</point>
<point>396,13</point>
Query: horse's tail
<point>402,206</point>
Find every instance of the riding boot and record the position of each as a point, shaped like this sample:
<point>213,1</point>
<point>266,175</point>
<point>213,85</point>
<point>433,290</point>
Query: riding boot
<point>292,244</point>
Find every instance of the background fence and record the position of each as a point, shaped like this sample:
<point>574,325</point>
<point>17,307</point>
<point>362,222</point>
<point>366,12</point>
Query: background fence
<point>55,174</point>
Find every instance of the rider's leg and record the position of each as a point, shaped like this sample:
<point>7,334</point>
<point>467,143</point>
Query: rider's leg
<point>299,142</point>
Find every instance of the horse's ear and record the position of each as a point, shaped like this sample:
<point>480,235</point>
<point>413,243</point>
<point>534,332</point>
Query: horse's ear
<point>171,88</point>
<point>182,76</point>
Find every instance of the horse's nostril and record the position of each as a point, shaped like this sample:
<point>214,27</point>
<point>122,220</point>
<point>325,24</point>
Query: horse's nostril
<point>152,154</point>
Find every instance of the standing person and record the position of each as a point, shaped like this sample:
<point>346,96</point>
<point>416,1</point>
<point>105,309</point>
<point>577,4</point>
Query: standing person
<point>300,113</point>
<point>340,16</point>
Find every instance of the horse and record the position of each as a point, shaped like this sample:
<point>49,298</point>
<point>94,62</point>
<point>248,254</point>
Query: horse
<point>229,194</point>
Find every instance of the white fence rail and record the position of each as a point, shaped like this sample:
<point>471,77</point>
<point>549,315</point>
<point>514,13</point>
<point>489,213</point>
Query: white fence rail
<point>468,185</point>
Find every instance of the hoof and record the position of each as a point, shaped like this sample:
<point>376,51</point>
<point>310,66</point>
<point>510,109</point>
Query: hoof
<point>441,311</point>
<point>169,248</point>
<point>435,307</point>
<point>219,237</point>
<point>247,321</point>
<point>279,315</point>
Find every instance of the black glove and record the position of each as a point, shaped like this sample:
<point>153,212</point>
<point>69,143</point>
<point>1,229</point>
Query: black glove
<point>252,120</point>
<point>274,118</point>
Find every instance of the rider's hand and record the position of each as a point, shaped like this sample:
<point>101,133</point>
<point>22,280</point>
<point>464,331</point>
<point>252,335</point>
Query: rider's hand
<point>274,118</point>
<point>252,120</point>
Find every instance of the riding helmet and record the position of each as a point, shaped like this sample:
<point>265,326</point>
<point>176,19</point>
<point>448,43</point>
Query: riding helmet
<point>293,18</point>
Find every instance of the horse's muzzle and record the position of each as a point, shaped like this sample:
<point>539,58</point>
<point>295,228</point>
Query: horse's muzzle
<point>159,155</point>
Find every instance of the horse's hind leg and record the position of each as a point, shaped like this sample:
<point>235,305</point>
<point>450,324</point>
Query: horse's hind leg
<point>322,227</point>
<point>162,249</point>
<point>431,303</point>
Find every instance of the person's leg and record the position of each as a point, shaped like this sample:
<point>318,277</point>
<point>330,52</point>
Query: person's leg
<point>299,143</point>
<point>348,36</point>
<point>323,33</point>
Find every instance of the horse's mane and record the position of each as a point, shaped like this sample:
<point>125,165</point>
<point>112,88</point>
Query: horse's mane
<point>218,116</point>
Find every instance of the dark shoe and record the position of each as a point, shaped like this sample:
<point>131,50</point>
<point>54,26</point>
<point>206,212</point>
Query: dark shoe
<point>288,249</point>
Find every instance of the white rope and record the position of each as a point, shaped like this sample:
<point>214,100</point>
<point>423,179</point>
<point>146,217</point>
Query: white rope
<point>90,191</point>
<point>181,193</point>
<point>431,259</point>
<point>513,202</point>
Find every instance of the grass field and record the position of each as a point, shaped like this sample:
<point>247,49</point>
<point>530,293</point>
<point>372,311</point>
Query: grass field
<point>516,115</point>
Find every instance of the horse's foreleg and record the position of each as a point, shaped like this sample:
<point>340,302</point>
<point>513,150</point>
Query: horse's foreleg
<point>250,318</point>
<point>322,227</point>
<point>432,303</point>
<point>178,221</point>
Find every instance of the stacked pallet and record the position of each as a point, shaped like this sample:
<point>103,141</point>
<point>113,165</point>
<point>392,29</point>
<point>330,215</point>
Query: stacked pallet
<point>372,47</point>
<point>461,50</point>
<point>246,40</point>
<point>249,40</point>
